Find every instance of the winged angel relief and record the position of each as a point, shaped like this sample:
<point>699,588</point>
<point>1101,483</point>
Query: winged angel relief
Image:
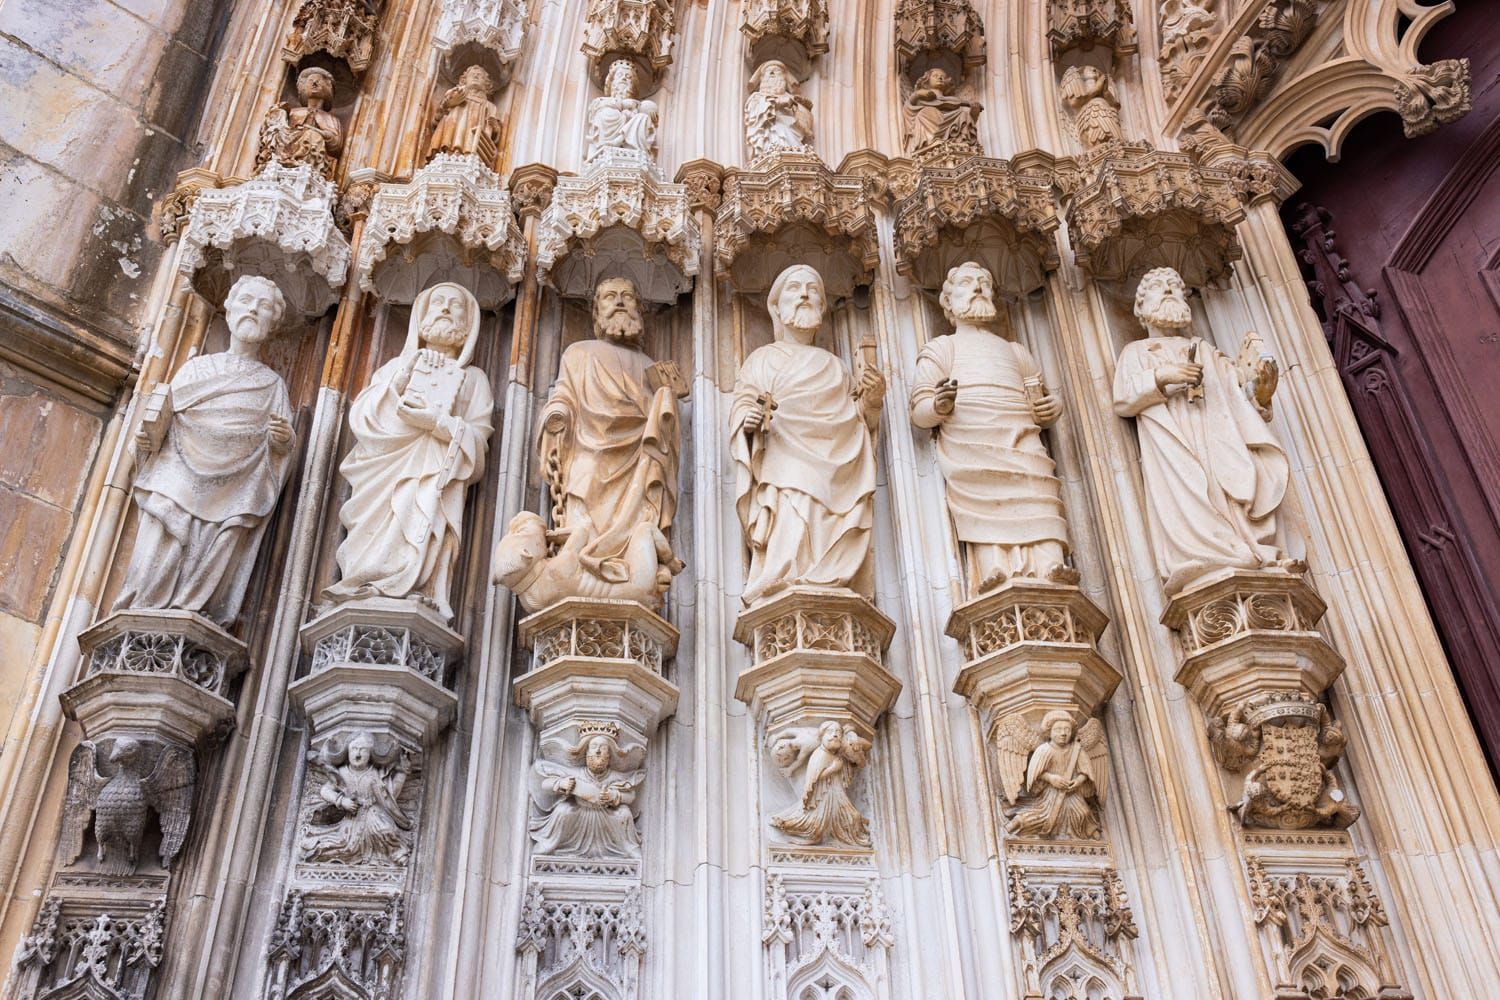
<point>1064,772</point>
<point>117,784</point>
<point>822,762</point>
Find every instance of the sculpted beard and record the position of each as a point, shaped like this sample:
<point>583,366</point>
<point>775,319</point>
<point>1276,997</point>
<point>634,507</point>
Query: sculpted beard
<point>442,331</point>
<point>801,315</point>
<point>621,326</point>
<point>975,308</point>
<point>1169,313</point>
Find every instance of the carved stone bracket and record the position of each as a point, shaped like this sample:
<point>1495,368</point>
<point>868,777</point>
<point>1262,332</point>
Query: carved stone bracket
<point>378,666</point>
<point>101,944</point>
<point>641,31</point>
<point>794,32</point>
<point>1072,925</point>
<point>1132,208</point>
<point>279,224</point>
<point>451,222</point>
<point>1083,24</point>
<point>619,218</point>
<point>938,34</point>
<point>345,944</point>
<point>344,29</point>
<point>704,180</point>
<point>1433,95</point>
<point>484,32</point>
<point>597,659</point>
<point>795,210</point>
<point>999,213</point>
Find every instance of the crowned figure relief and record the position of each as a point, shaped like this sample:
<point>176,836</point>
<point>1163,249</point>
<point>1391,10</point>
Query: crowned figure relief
<point>620,120</point>
<point>467,121</point>
<point>215,447</point>
<point>802,442</point>
<point>585,807</point>
<point>310,134</point>
<point>420,429</point>
<point>609,449</point>
<point>1214,475</point>
<point>359,818</point>
<point>777,118</point>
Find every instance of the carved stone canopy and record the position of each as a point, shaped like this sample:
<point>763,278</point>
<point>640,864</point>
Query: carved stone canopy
<point>484,32</point>
<point>344,29</point>
<point>451,222</point>
<point>1001,214</point>
<point>794,32</point>
<point>1133,208</point>
<point>938,34</point>
<point>797,211</point>
<point>280,225</point>
<point>641,31</point>
<point>1083,24</point>
<point>620,218</point>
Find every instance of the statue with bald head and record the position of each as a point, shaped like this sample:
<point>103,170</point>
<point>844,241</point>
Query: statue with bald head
<point>214,447</point>
<point>803,446</point>
<point>420,429</point>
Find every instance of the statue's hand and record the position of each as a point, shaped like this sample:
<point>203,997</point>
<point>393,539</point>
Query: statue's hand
<point>143,444</point>
<point>1173,378</point>
<point>610,796</point>
<point>279,432</point>
<point>419,416</point>
<point>566,786</point>
<point>1046,409</point>
<point>945,397</point>
<point>871,388</point>
<point>348,804</point>
<point>1267,377</point>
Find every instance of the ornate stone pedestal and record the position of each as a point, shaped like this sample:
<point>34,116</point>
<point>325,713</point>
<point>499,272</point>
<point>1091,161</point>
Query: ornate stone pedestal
<point>1071,925</point>
<point>279,224</point>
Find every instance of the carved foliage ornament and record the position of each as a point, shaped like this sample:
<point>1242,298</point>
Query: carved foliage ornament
<point>1433,95</point>
<point>1257,57</point>
<point>1187,30</point>
<point>640,30</point>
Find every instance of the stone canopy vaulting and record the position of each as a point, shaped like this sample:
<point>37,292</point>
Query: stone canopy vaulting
<point>749,500</point>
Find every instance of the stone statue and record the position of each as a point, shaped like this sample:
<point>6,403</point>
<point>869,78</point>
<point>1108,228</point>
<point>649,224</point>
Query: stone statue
<point>359,819</point>
<point>609,450</point>
<point>618,120</point>
<point>586,807</point>
<point>1002,491</point>
<point>215,448</point>
<point>822,762</point>
<point>801,438</point>
<point>1214,475</point>
<point>938,121</point>
<point>310,134</point>
<point>139,776</point>
<point>1096,109</point>
<point>777,118</point>
<point>1067,772</point>
<point>420,429</point>
<point>468,123</point>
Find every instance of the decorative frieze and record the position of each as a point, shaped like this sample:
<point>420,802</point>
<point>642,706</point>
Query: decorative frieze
<point>826,938</point>
<point>451,221</point>
<point>344,29</point>
<point>166,643</point>
<point>489,32</point>
<point>1083,24</point>
<point>581,941</point>
<point>642,31</point>
<point>1074,933</point>
<point>793,32</point>
<point>337,945</point>
<point>938,34</point>
<point>1001,214</point>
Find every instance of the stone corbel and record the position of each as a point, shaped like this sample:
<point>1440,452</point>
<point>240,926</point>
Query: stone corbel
<point>938,34</point>
<point>794,32</point>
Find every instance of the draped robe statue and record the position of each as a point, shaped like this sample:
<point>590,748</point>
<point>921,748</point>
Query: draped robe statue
<point>420,429</point>
<point>468,123</point>
<point>310,134</point>
<point>586,808</point>
<point>208,486</point>
<point>618,120</point>
<point>1214,475</point>
<point>939,121</point>
<point>1096,109</point>
<point>361,820</point>
<point>1002,491</point>
<point>803,452</point>
<point>777,118</point>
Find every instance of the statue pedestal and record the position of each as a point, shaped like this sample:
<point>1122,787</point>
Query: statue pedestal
<point>379,665</point>
<point>817,656</point>
<point>159,673</point>
<point>1251,633</point>
<point>1028,649</point>
<point>597,660</point>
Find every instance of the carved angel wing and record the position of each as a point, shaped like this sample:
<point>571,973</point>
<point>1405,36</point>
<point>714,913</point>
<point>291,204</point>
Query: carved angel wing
<point>1091,738</point>
<point>1015,738</point>
<point>169,789</point>
<point>627,756</point>
<point>84,784</point>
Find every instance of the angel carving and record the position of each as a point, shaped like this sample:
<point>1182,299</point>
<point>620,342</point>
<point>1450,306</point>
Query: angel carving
<point>137,777</point>
<point>1065,772</point>
<point>587,807</point>
<point>1096,109</point>
<point>359,818</point>
<point>827,759</point>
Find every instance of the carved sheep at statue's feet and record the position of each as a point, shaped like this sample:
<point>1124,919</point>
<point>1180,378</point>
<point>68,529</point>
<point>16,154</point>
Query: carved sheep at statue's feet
<point>522,565</point>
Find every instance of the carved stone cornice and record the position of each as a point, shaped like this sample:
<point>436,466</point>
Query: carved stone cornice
<point>452,218</point>
<point>493,30</point>
<point>938,34</point>
<point>704,180</point>
<point>641,31</point>
<point>619,217</point>
<point>1001,213</point>
<point>792,31</point>
<point>1131,208</point>
<point>345,29</point>
<point>278,224</point>
<point>795,210</point>
<point>1257,175</point>
<point>1082,24</point>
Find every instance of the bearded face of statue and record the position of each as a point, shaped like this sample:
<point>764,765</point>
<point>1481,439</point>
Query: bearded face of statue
<point>968,295</point>
<point>621,80</point>
<point>446,321</point>
<point>253,309</point>
<point>617,312</point>
<point>773,80</point>
<point>798,303</point>
<point>1161,301</point>
<point>597,757</point>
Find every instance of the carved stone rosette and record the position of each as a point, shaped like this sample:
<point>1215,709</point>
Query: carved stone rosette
<point>641,31</point>
<point>1000,213</point>
<point>1073,932</point>
<point>451,222</point>
<point>345,29</point>
<point>938,34</point>
<point>487,32</point>
<point>620,217</point>
<point>279,224</point>
<point>1082,24</point>
<point>795,211</point>
<point>792,31</point>
<point>1132,208</point>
